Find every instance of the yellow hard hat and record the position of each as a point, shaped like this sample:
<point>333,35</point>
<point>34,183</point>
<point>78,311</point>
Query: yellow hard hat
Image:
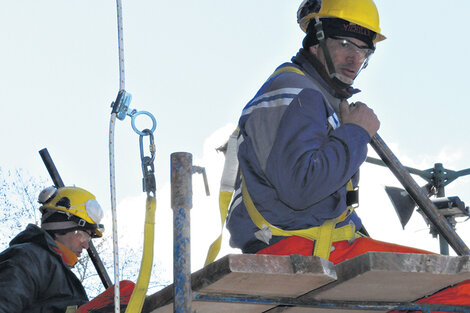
<point>360,12</point>
<point>78,206</point>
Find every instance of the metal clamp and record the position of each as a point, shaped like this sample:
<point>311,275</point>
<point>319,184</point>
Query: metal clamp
<point>121,108</point>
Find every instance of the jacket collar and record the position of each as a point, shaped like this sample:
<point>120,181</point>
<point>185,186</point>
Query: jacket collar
<point>67,255</point>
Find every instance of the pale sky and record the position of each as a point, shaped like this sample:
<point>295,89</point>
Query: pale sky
<point>194,65</point>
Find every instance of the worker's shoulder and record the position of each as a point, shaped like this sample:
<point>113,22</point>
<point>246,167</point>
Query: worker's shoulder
<point>27,252</point>
<point>289,75</point>
<point>286,83</point>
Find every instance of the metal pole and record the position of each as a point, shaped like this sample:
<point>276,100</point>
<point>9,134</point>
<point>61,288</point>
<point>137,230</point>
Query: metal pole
<point>417,193</point>
<point>347,306</point>
<point>439,183</point>
<point>181,203</point>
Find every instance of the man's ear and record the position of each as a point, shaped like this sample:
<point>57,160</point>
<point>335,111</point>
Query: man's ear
<point>314,50</point>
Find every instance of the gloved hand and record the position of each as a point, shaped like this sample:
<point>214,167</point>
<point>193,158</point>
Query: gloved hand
<point>360,114</point>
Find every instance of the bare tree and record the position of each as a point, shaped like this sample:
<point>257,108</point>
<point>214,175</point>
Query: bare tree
<point>18,203</point>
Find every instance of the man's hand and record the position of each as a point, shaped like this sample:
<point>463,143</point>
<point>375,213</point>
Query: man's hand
<point>360,114</point>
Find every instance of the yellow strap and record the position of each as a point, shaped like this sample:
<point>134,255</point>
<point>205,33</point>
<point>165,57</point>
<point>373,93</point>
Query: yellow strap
<point>71,309</point>
<point>224,202</point>
<point>227,186</point>
<point>323,235</point>
<point>138,295</point>
<point>286,69</point>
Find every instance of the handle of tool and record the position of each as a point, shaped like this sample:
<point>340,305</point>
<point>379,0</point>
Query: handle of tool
<point>58,182</point>
<point>419,196</point>
<point>50,166</point>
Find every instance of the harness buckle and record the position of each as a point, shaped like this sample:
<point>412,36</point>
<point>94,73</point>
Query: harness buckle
<point>352,198</point>
<point>319,28</point>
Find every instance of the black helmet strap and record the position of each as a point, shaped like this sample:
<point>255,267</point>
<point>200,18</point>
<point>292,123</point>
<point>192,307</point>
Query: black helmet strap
<point>320,34</point>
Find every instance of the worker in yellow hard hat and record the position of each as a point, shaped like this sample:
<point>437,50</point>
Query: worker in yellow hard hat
<point>35,271</point>
<point>300,145</point>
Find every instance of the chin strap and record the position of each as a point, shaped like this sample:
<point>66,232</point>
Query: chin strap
<point>335,77</point>
<point>322,41</point>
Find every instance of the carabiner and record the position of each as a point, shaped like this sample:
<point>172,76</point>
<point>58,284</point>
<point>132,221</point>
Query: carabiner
<point>148,169</point>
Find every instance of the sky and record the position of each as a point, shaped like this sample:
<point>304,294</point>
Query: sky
<point>194,65</point>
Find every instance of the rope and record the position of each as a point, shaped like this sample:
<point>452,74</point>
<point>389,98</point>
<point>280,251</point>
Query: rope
<point>112,177</point>
<point>120,110</point>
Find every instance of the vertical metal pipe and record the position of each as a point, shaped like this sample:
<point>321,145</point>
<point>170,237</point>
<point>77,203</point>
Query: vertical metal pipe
<point>181,203</point>
<point>419,196</point>
<point>439,177</point>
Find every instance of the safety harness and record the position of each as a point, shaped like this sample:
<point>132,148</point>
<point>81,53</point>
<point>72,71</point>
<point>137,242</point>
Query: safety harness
<point>324,235</point>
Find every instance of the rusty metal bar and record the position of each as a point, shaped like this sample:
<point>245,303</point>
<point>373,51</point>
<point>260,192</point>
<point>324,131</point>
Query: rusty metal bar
<point>419,196</point>
<point>331,304</point>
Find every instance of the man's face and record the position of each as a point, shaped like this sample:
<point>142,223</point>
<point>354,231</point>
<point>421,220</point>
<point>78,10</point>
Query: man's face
<point>76,241</point>
<point>348,56</point>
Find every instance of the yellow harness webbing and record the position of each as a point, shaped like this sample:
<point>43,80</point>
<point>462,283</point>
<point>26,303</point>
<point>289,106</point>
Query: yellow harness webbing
<point>323,235</point>
<point>227,186</point>
<point>286,69</point>
<point>224,202</point>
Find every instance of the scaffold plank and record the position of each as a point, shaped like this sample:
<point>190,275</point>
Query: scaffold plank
<point>374,277</point>
<point>395,277</point>
<point>259,275</point>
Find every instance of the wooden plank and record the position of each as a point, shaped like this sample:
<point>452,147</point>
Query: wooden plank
<point>374,276</point>
<point>394,277</point>
<point>270,275</point>
<point>388,277</point>
<point>256,275</point>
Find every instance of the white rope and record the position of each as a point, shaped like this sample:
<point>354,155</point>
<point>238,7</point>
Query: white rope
<point>114,213</point>
<point>112,177</point>
<point>121,46</point>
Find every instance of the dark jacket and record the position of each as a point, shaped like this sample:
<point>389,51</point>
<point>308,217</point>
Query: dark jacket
<point>34,278</point>
<point>295,156</point>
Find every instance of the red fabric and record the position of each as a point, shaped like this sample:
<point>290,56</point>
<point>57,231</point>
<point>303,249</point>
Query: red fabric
<point>456,295</point>
<point>104,302</point>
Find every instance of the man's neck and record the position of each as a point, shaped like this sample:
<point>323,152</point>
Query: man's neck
<point>67,255</point>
